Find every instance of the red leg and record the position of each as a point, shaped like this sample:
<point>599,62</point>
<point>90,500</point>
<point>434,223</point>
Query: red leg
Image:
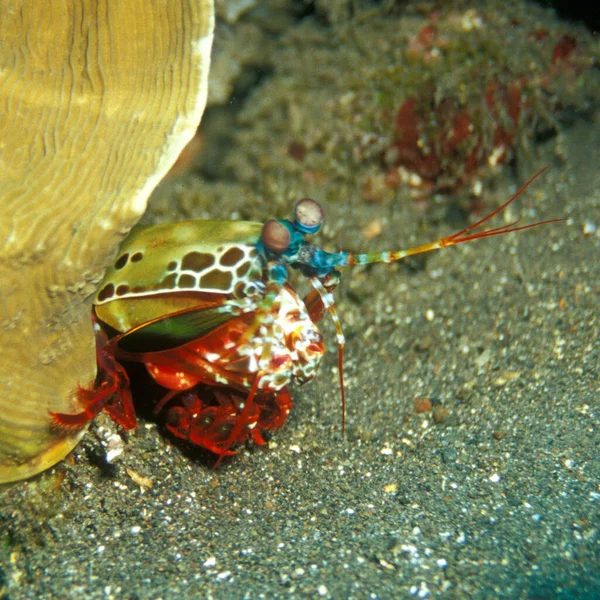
<point>274,410</point>
<point>93,400</point>
<point>259,440</point>
<point>242,420</point>
<point>211,417</point>
<point>209,414</point>
<point>112,393</point>
<point>201,428</point>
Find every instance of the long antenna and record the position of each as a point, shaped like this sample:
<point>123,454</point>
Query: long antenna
<point>465,235</point>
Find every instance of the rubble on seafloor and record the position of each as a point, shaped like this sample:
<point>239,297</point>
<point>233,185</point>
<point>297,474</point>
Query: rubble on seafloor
<point>429,97</point>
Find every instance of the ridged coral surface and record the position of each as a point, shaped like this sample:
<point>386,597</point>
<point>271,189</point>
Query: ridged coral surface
<point>98,99</point>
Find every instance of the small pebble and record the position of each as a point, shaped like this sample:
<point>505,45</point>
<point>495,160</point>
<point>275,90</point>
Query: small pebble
<point>440,413</point>
<point>423,405</point>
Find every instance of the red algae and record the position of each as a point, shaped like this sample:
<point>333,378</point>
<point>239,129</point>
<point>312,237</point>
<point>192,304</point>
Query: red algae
<point>432,102</point>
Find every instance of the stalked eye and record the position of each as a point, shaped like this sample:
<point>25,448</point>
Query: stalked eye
<point>308,215</point>
<point>275,236</point>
